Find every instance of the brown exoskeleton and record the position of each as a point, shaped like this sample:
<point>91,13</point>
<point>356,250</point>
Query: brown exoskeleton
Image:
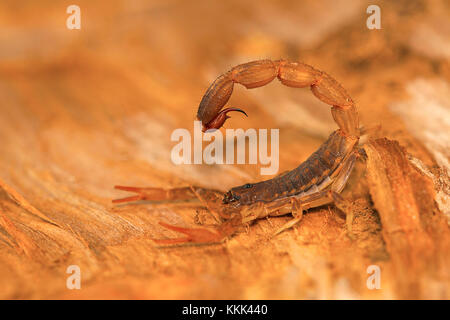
<point>316,182</point>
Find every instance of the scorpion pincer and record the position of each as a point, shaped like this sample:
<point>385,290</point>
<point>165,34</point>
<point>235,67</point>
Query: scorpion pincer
<point>315,182</point>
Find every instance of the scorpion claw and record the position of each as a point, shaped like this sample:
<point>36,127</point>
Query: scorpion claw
<point>220,119</point>
<point>155,194</point>
<point>194,235</point>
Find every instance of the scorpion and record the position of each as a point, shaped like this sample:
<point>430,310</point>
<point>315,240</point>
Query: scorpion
<point>315,182</point>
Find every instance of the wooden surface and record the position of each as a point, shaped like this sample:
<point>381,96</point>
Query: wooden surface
<point>84,110</point>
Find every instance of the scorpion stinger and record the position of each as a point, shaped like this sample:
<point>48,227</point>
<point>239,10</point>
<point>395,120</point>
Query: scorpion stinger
<point>315,182</point>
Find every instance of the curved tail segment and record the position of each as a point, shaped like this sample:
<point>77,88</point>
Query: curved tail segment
<point>292,74</point>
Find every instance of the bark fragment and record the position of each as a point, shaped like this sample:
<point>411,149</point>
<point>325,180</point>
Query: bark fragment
<point>415,232</point>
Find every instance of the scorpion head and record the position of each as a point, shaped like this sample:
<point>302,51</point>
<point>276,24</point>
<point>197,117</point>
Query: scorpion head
<point>238,194</point>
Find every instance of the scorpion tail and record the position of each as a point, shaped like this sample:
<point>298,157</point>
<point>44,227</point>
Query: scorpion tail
<point>193,235</point>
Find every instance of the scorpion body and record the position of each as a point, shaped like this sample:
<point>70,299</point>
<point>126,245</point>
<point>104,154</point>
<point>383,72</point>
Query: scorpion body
<point>313,175</point>
<point>316,182</point>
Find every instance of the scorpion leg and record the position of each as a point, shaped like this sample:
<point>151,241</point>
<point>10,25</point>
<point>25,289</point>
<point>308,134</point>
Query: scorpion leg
<point>297,213</point>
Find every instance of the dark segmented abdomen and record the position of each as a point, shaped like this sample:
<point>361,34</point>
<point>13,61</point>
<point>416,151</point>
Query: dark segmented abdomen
<point>311,172</point>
